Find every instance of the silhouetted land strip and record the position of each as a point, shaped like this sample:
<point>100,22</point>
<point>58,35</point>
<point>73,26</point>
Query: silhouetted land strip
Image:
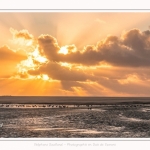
<point>73,100</point>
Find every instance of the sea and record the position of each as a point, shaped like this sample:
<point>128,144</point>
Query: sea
<point>74,117</point>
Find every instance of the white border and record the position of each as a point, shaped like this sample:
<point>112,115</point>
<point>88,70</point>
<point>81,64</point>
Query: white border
<point>74,4</point>
<point>74,139</point>
<point>23,7</point>
<point>74,10</point>
<point>74,144</point>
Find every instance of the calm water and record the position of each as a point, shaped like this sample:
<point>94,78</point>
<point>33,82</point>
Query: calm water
<point>100,121</point>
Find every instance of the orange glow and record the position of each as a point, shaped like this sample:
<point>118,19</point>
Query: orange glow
<point>71,54</point>
<point>132,78</point>
<point>79,91</point>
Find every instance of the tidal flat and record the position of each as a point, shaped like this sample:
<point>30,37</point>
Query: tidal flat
<point>102,121</point>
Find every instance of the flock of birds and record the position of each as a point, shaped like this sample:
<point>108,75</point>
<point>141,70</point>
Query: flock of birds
<point>89,107</point>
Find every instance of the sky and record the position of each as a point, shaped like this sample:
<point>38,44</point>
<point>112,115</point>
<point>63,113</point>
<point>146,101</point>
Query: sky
<point>75,54</point>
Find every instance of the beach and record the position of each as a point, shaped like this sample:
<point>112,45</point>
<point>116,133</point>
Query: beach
<point>101,121</point>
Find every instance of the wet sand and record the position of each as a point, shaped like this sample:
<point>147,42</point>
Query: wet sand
<point>115,121</point>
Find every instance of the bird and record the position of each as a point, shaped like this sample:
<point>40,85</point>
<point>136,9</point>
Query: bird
<point>121,114</point>
<point>1,125</point>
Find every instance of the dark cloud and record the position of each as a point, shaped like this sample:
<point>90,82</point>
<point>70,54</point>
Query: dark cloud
<point>49,46</point>
<point>132,49</point>
<point>91,90</point>
<point>58,72</point>
<point>136,40</point>
<point>67,85</point>
<point>132,88</point>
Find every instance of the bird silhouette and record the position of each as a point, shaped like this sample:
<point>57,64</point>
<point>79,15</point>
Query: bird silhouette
<point>1,125</point>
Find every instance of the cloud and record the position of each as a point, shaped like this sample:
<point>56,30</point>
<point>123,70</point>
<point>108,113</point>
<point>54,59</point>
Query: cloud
<point>67,85</point>
<point>131,86</point>
<point>21,34</point>
<point>131,49</point>
<point>8,55</point>
<point>49,46</point>
<point>79,70</point>
<point>58,72</point>
<point>9,60</point>
<point>23,39</point>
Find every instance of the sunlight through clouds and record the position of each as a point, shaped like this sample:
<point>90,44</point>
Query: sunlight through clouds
<point>63,50</point>
<point>100,54</point>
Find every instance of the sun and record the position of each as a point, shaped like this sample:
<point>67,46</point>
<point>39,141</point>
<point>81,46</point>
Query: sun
<point>63,50</point>
<point>36,55</point>
<point>45,77</point>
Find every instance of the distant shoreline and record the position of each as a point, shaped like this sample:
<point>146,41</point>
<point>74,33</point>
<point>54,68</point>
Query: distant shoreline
<point>73,100</point>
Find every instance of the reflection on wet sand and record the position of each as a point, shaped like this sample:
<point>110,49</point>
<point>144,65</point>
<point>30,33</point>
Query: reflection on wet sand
<point>50,121</point>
